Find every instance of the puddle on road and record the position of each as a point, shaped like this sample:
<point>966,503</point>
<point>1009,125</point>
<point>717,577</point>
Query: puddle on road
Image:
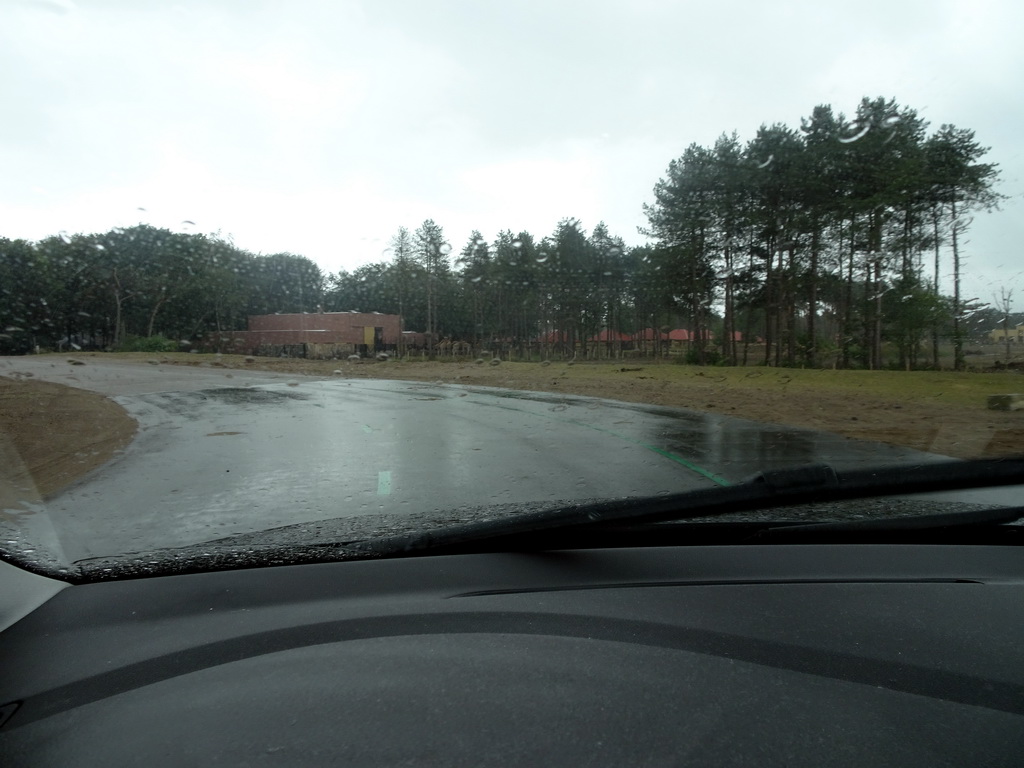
<point>240,396</point>
<point>190,405</point>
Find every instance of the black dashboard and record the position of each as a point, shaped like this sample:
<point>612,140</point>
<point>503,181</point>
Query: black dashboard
<point>727,656</point>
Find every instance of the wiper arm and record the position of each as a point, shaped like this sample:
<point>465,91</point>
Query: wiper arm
<point>777,488</point>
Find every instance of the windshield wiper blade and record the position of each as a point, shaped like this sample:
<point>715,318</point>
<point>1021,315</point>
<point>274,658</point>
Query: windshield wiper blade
<point>965,519</point>
<point>777,488</point>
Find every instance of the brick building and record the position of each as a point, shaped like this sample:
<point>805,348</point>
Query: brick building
<point>320,335</point>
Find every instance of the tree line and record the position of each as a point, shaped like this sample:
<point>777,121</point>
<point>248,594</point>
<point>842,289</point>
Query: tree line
<point>111,290</point>
<point>823,244</point>
<point>835,234</point>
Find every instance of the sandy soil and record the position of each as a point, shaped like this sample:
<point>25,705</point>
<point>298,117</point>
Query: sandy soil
<point>50,435</point>
<point>61,433</point>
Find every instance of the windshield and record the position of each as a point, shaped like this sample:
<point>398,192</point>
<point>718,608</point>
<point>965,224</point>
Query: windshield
<point>341,270</point>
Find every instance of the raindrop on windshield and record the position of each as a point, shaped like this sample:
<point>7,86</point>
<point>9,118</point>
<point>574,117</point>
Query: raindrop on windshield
<point>445,249</point>
<point>859,134</point>
<point>615,251</point>
<point>64,236</point>
<point>767,162</point>
<point>542,257</point>
<point>476,279</point>
<point>517,243</point>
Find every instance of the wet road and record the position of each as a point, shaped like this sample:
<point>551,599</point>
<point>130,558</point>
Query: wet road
<point>224,452</point>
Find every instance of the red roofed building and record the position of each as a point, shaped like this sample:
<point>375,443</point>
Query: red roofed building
<point>682,336</point>
<point>650,334</point>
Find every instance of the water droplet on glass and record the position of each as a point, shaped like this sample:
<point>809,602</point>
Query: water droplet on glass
<point>517,243</point>
<point>445,249</point>
<point>542,257</point>
<point>480,241</point>
<point>891,122</point>
<point>188,223</point>
<point>615,251</point>
<point>476,279</point>
<point>859,134</point>
<point>767,162</point>
<point>64,236</point>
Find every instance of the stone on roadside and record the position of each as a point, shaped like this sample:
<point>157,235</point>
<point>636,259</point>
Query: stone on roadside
<point>1006,402</point>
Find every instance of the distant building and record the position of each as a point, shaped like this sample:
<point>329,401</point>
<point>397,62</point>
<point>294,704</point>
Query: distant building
<point>680,336</point>
<point>608,336</point>
<point>321,335</point>
<point>649,334</point>
<point>1015,335</point>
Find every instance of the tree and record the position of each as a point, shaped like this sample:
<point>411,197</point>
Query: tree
<point>402,255</point>
<point>958,183</point>
<point>1004,303</point>
<point>432,251</point>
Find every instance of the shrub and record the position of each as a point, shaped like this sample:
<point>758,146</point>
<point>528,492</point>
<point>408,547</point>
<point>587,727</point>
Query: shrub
<point>146,344</point>
<point>712,356</point>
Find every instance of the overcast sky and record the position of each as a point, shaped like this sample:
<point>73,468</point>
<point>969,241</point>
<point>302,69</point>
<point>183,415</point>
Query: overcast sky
<point>320,127</point>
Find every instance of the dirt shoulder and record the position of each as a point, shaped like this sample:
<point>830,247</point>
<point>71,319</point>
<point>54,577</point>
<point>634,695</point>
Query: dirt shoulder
<point>51,435</point>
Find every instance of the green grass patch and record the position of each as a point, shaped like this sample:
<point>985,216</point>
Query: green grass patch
<point>147,344</point>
